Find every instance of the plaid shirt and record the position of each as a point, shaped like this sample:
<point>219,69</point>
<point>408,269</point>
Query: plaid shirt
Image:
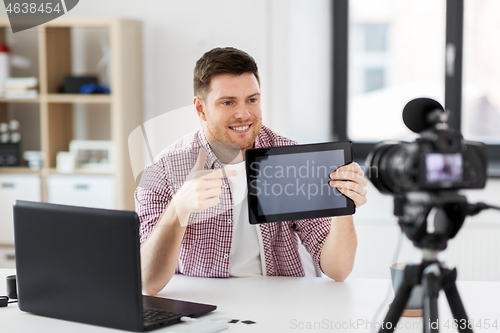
<point>207,240</point>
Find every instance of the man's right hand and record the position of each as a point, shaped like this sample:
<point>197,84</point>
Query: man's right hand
<point>201,189</point>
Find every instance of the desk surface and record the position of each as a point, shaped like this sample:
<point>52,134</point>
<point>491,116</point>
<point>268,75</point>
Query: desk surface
<point>284,304</point>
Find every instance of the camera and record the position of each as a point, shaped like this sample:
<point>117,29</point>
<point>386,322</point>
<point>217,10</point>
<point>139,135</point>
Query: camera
<point>440,159</point>
<point>424,177</point>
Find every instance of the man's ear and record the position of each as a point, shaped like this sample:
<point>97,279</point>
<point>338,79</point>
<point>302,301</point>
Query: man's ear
<point>200,108</point>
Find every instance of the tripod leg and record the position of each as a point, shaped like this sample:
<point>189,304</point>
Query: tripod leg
<point>431,285</point>
<point>456,305</point>
<point>397,307</point>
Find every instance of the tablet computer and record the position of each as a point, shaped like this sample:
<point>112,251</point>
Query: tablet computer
<point>291,182</point>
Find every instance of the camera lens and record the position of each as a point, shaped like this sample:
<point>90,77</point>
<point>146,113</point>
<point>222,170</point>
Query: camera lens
<point>393,166</point>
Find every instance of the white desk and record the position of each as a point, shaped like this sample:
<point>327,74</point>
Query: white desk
<point>281,304</point>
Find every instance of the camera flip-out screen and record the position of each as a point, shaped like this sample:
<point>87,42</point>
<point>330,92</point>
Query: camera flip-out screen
<point>291,182</point>
<point>444,167</point>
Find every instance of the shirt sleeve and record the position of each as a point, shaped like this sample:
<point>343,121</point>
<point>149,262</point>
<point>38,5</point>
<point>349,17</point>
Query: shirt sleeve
<point>312,234</point>
<point>151,198</point>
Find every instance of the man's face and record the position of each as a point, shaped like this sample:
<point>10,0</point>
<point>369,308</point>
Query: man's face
<point>231,111</point>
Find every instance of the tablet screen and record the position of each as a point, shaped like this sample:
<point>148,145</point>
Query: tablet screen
<point>290,183</point>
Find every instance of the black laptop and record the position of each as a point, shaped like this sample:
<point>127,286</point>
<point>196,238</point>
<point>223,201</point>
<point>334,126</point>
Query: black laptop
<point>83,264</point>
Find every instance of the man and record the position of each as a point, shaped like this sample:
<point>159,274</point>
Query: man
<point>193,220</point>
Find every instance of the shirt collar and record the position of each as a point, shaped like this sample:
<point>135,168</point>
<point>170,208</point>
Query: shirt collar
<point>258,139</point>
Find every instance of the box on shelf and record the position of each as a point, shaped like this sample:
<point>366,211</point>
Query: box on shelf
<point>9,154</point>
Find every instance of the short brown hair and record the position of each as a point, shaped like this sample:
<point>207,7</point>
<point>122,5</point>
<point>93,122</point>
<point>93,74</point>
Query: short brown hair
<point>227,60</point>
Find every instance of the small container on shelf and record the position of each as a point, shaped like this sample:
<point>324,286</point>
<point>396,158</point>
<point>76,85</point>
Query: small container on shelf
<point>4,66</point>
<point>34,159</point>
<point>65,162</point>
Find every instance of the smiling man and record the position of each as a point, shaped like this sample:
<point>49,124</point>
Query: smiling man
<point>230,109</point>
<point>191,201</point>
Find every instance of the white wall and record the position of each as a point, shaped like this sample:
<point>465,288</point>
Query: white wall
<point>282,36</point>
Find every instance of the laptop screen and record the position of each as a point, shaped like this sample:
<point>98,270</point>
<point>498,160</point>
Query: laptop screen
<point>79,264</point>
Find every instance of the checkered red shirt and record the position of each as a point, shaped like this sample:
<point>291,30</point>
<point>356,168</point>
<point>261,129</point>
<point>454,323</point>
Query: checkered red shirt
<point>207,240</point>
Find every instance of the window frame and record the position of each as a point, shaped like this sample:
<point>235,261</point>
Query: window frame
<point>453,79</point>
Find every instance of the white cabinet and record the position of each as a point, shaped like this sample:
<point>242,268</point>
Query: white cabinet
<point>82,190</point>
<point>7,258</point>
<point>15,187</point>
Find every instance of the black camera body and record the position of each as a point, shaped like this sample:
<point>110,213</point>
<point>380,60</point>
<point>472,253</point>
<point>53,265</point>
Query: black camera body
<point>440,159</point>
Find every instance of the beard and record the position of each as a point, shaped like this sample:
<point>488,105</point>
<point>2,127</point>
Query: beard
<point>232,140</point>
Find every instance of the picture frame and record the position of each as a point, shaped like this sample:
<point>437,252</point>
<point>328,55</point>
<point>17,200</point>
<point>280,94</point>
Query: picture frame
<point>93,155</point>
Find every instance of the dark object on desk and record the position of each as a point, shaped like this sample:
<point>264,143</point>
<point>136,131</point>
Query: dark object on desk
<point>11,292</point>
<point>11,287</point>
<point>292,182</point>
<point>94,88</point>
<point>248,322</point>
<point>87,270</point>
<point>414,305</point>
<point>9,154</point>
<point>72,84</point>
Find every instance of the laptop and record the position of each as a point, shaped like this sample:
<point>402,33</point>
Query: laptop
<point>83,264</point>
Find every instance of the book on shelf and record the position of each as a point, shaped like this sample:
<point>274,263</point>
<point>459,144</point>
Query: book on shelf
<point>21,88</point>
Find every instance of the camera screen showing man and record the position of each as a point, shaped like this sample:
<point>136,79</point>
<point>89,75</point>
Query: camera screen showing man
<point>444,167</point>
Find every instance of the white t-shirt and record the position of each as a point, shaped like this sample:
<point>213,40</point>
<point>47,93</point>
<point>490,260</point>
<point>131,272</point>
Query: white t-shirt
<point>245,255</point>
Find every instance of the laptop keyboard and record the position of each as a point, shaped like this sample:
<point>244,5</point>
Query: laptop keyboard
<point>154,315</point>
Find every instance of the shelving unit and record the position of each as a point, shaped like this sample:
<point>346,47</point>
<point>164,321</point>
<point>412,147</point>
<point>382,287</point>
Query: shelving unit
<point>125,103</point>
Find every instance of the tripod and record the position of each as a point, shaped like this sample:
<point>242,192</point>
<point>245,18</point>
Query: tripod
<point>431,274</point>
<point>413,210</point>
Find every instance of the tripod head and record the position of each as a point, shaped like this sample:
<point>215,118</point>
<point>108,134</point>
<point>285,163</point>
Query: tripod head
<point>430,219</point>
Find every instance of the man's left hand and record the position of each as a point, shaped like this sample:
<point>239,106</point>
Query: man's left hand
<point>349,180</point>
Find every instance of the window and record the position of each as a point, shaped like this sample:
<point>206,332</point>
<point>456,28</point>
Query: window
<point>481,72</point>
<point>369,57</point>
<point>387,52</point>
<point>374,79</point>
